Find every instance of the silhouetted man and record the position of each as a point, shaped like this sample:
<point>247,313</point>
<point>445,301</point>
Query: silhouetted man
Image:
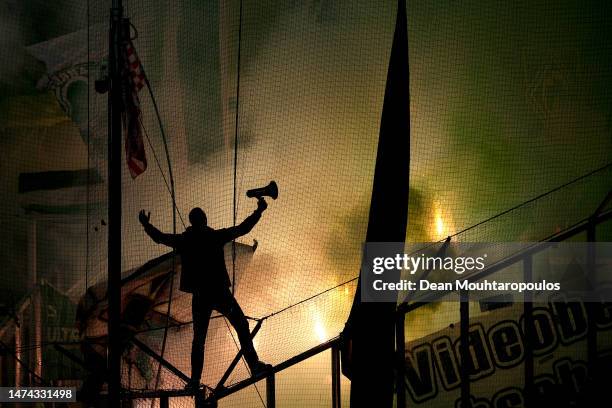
<point>204,276</point>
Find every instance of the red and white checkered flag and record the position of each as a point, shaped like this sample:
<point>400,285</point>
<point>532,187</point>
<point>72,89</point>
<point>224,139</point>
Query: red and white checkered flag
<point>134,81</point>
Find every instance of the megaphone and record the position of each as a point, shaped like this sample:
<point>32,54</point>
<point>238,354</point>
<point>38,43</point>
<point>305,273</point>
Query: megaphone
<point>271,190</point>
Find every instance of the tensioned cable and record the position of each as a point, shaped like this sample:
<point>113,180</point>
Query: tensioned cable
<point>87,196</point>
<point>534,198</point>
<point>159,167</point>
<point>524,203</point>
<point>236,128</point>
<point>247,366</point>
<point>268,315</point>
<point>174,211</point>
<point>235,197</point>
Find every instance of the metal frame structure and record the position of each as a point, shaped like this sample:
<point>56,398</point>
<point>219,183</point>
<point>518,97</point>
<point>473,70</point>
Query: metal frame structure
<point>269,376</point>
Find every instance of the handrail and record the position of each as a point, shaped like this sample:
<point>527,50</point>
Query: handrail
<point>280,367</point>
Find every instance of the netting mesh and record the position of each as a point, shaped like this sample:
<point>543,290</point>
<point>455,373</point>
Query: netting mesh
<point>507,102</point>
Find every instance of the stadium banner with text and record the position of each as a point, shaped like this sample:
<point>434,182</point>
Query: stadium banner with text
<point>498,351</point>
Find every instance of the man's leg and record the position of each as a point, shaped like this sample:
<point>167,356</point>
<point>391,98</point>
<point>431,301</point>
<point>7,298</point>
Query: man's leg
<point>230,308</point>
<point>201,311</point>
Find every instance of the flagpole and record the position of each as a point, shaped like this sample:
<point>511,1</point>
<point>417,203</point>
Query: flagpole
<point>114,205</point>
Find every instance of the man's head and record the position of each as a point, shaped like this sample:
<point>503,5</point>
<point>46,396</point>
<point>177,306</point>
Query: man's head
<point>197,217</point>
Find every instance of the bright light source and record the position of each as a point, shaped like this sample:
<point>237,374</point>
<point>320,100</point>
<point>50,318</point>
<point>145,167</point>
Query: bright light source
<point>439,224</point>
<point>320,330</point>
<point>442,226</point>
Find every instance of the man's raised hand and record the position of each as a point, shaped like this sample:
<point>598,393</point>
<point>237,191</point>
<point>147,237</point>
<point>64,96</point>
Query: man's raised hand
<point>144,217</point>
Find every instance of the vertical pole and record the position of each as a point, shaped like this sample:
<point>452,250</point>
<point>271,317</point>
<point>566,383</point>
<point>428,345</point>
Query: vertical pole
<point>236,130</point>
<point>529,331</point>
<point>164,402</point>
<point>464,313</point>
<point>335,369</point>
<point>114,205</point>
<point>36,309</point>
<point>591,277</point>
<point>36,301</point>
<point>270,391</point>
<point>226,70</point>
<point>31,254</point>
<point>400,347</point>
<point>18,350</point>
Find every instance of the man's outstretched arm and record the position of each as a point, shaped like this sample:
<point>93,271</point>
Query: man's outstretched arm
<point>156,235</point>
<point>247,225</point>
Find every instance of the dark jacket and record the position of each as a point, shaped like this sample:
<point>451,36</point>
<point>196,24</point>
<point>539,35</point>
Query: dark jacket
<point>202,258</point>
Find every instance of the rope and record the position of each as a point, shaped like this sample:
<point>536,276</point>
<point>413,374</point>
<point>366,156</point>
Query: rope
<point>87,196</point>
<point>236,127</point>
<point>534,199</point>
<point>243,361</point>
<point>160,169</point>
<point>309,298</point>
<point>524,203</point>
<point>174,209</point>
<point>257,319</point>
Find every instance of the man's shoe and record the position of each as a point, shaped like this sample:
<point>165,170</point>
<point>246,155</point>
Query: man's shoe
<point>260,367</point>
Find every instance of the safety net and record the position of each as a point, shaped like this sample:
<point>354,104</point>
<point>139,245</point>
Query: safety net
<point>510,140</point>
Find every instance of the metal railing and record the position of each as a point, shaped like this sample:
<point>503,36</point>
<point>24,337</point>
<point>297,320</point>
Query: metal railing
<point>269,376</point>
